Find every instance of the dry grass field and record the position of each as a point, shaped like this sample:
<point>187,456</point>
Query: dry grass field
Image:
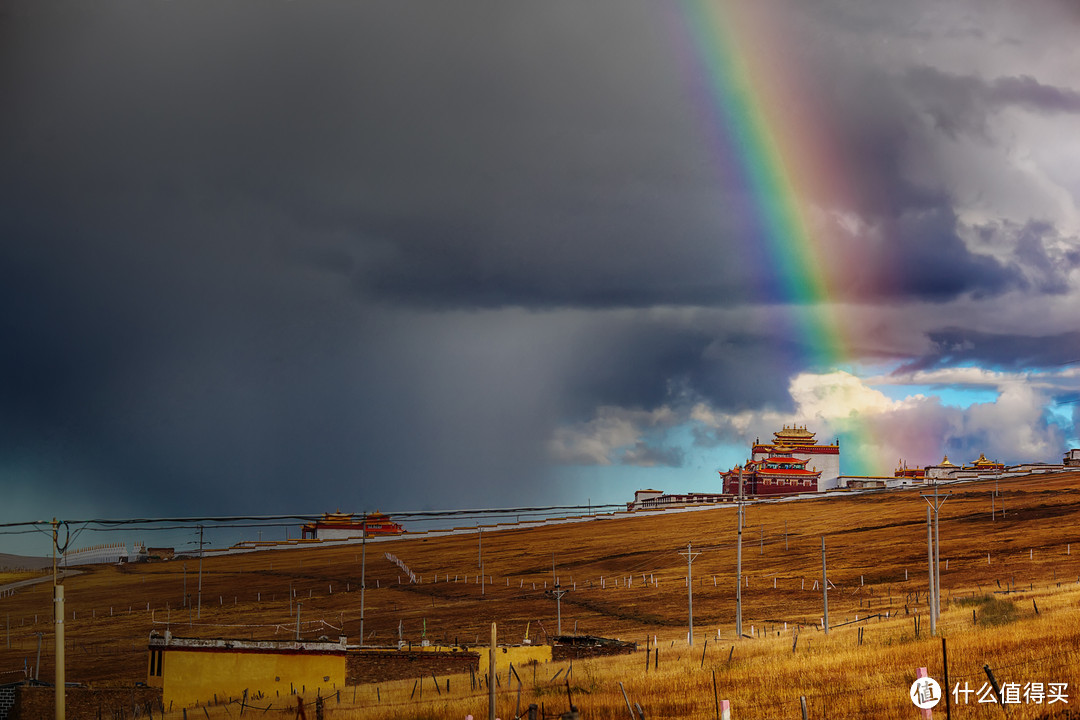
<point>628,581</point>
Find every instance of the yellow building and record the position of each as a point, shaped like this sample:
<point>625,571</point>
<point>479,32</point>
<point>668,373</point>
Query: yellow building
<point>193,671</point>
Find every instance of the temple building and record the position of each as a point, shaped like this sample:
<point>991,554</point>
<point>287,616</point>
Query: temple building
<point>946,470</point>
<point>903,471</point>
<point>343,526</point>
<point>942,470</point>
<point>778,474</point>
<point>983,465</point>
<point>801,443</point>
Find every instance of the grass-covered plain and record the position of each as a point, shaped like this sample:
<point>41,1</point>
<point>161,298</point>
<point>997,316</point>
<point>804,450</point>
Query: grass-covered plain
<point>628,581</point>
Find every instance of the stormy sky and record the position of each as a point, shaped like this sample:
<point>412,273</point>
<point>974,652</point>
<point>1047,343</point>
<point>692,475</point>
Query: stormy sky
<point>266,257</point>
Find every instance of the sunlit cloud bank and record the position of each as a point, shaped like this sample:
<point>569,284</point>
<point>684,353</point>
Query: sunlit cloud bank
<point>917,429</point>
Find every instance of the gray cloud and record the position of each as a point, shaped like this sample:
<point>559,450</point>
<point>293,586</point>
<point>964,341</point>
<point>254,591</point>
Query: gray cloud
<point>960,346</point>
<point>385,252</point>
<point>963,103</point>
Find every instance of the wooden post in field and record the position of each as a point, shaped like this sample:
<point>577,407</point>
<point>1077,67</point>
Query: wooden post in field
<point>725,710</point>
<point>491,675</point>
<point>627,700</point>
<point>824,588</point>
<point>802,704</point>
<point>716,695</point>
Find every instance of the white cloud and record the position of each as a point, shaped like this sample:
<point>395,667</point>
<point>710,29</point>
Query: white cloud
<point>836,395</point>
<point>917,429</point>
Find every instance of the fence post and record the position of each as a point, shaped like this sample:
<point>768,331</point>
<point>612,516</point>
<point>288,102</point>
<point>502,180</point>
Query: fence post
<point>945,666</point>
<point>725,710</point>
<point>716,695</point>
<point>802,703</point>
<point>629,709</point>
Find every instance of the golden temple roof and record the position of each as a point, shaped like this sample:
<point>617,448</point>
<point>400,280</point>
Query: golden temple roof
<point>793,433</point>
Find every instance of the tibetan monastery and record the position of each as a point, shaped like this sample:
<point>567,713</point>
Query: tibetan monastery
<point>341,526</point>
<point>779,474</point>
<point>793,462</point>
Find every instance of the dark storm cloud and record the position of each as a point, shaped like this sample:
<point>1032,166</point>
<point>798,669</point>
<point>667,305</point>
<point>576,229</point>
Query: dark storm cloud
<point>327,255</point>
<point>961,346</point>
<point>438,167</point>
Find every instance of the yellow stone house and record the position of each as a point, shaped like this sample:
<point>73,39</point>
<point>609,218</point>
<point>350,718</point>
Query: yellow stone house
<point>195,671</point>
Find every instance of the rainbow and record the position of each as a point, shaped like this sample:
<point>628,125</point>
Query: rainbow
<point>770,144</point>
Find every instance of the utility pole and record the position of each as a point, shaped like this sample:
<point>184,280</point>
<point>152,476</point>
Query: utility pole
<point>934,554</point>
<point>738,564</point>
<point>558,593</point>
<point>185,585</point>
<point>690,555</point>
<point>824,588</point>
<point>363,569</point>
<point>930,570</point>
<point>58,618</point>
<point>937,554</point>
<point>199,613</point>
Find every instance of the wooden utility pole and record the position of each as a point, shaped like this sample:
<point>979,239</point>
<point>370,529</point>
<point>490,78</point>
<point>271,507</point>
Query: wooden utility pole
<point>738,563</point>
<point>690,555</point>
<point>824,589</point>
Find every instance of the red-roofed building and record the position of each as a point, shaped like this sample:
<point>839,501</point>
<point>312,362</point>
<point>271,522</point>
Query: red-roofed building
<point>798,442</point>
<point>777,474</point>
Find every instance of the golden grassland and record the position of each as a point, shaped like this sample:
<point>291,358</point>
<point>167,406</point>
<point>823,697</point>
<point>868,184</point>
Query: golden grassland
<point>876,546</point>
<point>11,576</point>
